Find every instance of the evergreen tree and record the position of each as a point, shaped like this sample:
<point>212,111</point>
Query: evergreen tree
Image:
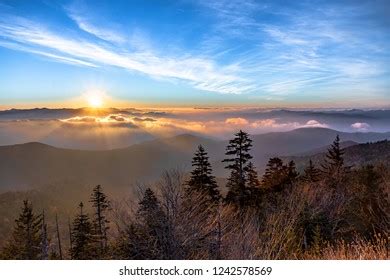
<point>58,239</point>
<point>149,208</point>
<point>252,177</point>
<point>82,237</point>
<point>200,206</point>
<point>315,225</point>
<point>215,250</point>
<point>276,175</point>
<point>239,157</point>
<point>100,223</point>
<point>292,173</point>
<point>311,173</point>
<point>151,228</point>
<point>368,207</point>
<point>334,161</point>
<point>70,233</point>
<point>201,179</point>
<point>132,245</point>
<point>44,239</point>
<point>26,239</point>
<point>255,192</point>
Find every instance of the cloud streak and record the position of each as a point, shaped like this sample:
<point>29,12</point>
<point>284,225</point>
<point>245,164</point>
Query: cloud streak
<point>304,48</point>
<point>55,57</point>
<point>200,72</point>
<point>99,32</point>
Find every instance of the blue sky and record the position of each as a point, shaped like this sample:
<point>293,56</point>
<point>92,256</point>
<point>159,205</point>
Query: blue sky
<point>184,52</point>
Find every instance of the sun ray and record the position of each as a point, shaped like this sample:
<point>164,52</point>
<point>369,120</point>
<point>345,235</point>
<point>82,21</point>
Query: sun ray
<point>95,98</point>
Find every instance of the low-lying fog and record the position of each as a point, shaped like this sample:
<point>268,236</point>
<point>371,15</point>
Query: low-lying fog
<point>115,128</point>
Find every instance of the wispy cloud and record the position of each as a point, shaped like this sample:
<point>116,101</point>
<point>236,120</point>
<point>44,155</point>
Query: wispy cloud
<point>59,58</point>
<point>238,13</point>
<point>100,32</point>
<point>302,46</point>
<point>200,72</point>
<point>285,37</point>
<point>235,18</point>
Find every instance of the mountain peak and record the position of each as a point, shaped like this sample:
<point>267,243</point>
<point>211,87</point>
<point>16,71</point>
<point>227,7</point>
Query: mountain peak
<point>31,145</point>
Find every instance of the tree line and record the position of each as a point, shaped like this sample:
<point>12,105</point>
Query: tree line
<point>281,215</point>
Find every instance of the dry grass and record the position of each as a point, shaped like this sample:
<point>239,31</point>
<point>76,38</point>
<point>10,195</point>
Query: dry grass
<point>359,249</point>
<point>269,231</point>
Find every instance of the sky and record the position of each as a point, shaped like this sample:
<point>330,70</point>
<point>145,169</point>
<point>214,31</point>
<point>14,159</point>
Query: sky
<point>195,53</point>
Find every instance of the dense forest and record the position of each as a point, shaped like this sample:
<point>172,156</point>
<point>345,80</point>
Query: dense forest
<point>329,211</point>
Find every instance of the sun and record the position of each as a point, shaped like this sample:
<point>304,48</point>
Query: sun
<point>95,99</point>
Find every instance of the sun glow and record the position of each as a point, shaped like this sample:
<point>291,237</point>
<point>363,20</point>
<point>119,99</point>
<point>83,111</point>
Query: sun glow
<point>95,99</point>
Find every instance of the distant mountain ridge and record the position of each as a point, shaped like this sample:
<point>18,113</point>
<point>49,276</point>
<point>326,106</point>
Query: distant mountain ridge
<point>305,139</point>
<point>63,113</point>
<point>33,165</point>
<point>343,145</point>
<point>354,155</point>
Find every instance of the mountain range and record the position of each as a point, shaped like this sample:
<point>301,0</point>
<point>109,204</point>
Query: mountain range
<point>35,165</point>
<point>57,179</point>
<point>354,155</point>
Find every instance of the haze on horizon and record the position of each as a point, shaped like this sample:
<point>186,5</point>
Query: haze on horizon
<point>102,128</point>
<point>191,53</point>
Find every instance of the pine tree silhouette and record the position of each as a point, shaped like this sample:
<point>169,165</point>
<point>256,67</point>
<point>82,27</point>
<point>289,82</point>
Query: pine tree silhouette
<point>26,239</point>
<point>70,233</point>
<point>239,157</point>
<point>369,204</point>
<point>100,223</point>
<point>82,237</point>
<point>58,239</point>
<point>334,158</point>
<point>44,239</point>
<point>275,176</point>
<point>152,228</point>
<point>292,173</point>
<point>149,206</point>
<point>333,168</point>
<point>311,173</point>
<point>252,177</point>
<point>201,179</point>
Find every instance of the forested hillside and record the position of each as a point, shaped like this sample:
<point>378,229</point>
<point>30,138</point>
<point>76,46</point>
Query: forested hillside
<point>330,210</point>
<point>35,165</point>
<point>355,155</point>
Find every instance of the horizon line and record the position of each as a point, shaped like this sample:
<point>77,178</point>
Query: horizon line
<point>243,107</point>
